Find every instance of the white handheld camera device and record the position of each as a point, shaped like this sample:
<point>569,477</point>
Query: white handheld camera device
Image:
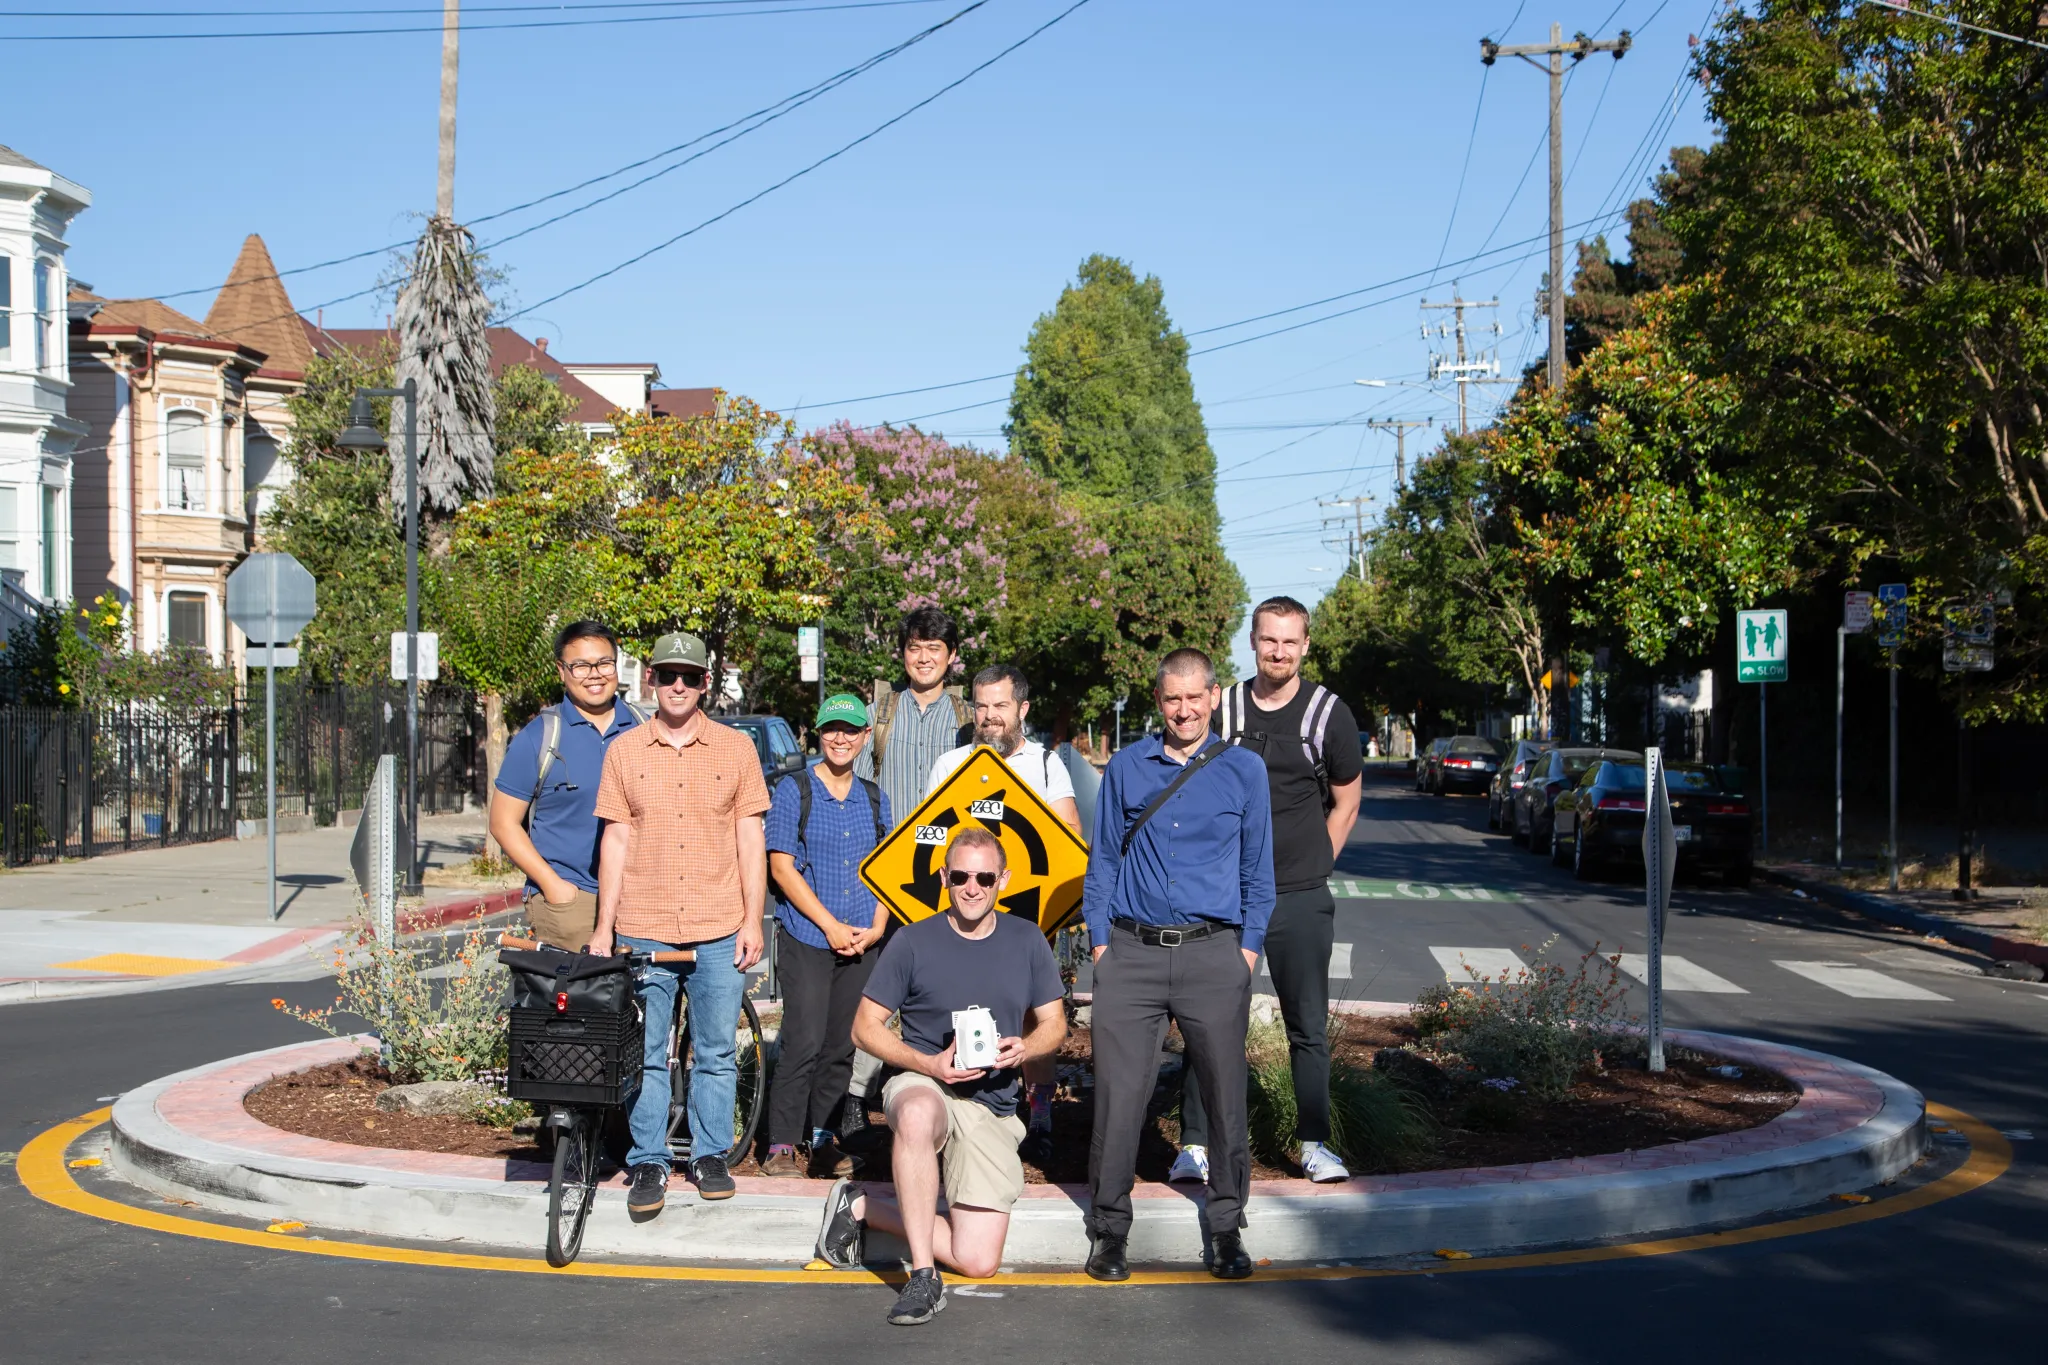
<point>974,1039</point>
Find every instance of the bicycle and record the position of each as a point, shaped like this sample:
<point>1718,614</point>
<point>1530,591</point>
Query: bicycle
<point>750,1097</point>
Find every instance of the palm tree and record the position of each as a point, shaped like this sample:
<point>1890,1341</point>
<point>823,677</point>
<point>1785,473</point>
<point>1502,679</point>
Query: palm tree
<point>442,320</point>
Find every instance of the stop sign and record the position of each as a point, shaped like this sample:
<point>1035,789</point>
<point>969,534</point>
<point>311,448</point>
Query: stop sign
<point>271,597</point>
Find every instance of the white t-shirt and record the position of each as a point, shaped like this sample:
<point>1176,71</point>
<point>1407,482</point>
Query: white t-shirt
<point>1041,771</point>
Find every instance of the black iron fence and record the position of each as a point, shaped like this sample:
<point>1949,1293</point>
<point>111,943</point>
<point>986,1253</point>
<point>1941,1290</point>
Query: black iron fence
<point>76,783</point>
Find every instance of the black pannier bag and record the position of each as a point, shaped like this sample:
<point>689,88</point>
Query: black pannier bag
<point>575,1028</point>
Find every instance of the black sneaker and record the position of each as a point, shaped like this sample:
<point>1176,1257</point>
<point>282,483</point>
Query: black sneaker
<point>922,1299</point>
<point>853,1116</point>
<point>841,1236</point>
<point>711,1178</point>
<point>650,1188</point>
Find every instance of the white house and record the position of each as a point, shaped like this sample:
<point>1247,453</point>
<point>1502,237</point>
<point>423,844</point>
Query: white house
<point>37,433</point>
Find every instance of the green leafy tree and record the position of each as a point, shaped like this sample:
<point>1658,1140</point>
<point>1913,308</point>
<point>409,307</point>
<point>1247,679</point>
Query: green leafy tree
<point>1104,402</point>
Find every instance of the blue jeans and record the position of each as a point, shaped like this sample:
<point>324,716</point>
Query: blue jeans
<point>714,987</point>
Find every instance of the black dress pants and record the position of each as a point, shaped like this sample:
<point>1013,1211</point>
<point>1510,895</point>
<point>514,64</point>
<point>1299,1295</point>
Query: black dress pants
<point>1206,988</point>
<point>821,991</point>
<point>1298,940</point>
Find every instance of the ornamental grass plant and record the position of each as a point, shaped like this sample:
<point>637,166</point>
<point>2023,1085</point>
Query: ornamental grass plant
<point>438,1018</point>
<point>1376,1123</point>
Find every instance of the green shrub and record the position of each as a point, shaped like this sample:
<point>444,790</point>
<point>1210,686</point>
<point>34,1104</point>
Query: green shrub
<point>1542,1026</point>
<point>1375,1122</point>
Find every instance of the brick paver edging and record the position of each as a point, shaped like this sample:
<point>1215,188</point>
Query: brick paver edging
<point>188,1136</point>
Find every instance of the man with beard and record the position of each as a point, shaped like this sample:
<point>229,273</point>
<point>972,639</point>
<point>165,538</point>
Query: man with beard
<point>1002,699</point>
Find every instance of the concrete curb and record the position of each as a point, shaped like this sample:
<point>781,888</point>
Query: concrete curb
<point>1889,912</point>
<point>188,1137</point>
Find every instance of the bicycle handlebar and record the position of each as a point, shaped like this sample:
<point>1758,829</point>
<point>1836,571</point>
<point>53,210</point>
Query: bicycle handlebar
<point>671,955</point>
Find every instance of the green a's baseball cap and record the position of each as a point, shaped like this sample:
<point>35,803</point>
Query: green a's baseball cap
<point>843,706</point>
<point>679,650</point>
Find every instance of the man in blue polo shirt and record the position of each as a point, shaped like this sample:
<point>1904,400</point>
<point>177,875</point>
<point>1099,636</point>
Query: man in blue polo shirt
<point>1178,894</point>
<point>557,847</point>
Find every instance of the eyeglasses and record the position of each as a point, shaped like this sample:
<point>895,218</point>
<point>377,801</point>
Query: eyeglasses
<point>692,678</point>
<point>592,668</point>
<point>981,879</point>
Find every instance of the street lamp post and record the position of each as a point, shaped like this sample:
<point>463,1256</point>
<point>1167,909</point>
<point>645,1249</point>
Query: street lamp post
<point>362,434</point>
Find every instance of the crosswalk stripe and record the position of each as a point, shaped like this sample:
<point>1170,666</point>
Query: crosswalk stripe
<point>1680,974</point>
<point>1340,962</point>
<point>1488,962</point>
<point>1860,982</point>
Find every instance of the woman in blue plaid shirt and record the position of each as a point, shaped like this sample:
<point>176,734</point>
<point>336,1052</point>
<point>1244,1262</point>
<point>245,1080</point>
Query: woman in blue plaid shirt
<point>827,929</point>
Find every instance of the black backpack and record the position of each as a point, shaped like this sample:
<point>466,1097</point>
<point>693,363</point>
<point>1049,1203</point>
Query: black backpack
<point>1238,708</point>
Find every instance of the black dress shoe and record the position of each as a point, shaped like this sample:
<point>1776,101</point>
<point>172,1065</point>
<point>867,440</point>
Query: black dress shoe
<point>1106,1261</point>
<point>1227,1257</point>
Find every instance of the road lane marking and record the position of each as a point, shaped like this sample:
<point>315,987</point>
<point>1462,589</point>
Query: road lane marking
<point>42,1173</point>
<point>1680,974</point>
<point>1340,962</point>
<point>1860,982</point>
<point>1361,889</point>
<point>1488,962</point>
<point>144,964</point>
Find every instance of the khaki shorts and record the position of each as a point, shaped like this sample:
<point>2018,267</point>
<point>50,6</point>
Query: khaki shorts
<point>978,1160</point>
<point>566,926</point>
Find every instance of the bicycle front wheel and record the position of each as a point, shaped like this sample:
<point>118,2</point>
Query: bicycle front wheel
<point>750,1090</point>
<point>572,1187</point>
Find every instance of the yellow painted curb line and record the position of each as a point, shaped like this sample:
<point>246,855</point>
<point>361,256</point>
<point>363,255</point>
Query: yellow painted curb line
<point>42,1172</point>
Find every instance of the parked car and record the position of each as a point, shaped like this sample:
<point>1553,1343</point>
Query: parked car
<point>1467,763</point>
<point>1550,776</point>
<point>1600,821</point>
<point>1425,764</point>
<point>1509,778</point>
<point>774,741</point>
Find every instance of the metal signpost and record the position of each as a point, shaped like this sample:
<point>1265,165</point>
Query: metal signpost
<point>1968,627</point>
<point>1119,704</point>
<point>373,857</point>
<point>271,597</point>
<point>1046,859</point>
<point>1855,621</point>
<point>1763,656</point>
<point>1660,862</point>
<point>1891,633</point>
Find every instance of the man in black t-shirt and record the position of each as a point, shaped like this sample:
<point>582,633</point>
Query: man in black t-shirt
<point>951,1121</point>
<point>1309,742</point>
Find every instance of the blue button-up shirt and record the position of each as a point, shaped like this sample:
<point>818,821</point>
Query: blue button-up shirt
<point>564,819</point>
<point>1207,854</point>
<point>838,839</point>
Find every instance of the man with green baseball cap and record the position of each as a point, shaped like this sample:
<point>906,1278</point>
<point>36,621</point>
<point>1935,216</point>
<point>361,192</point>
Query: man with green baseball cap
<point>820,830</point>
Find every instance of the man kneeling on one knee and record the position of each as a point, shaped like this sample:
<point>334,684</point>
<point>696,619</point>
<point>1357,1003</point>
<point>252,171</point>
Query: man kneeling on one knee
<point>953,1126</point>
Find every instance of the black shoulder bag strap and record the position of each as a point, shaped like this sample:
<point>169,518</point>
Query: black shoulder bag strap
<point>874,806</point>
<point>1188,770</point>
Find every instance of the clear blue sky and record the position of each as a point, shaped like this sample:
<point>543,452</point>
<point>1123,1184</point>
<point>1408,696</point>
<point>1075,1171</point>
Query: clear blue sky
<point>1254,157</point>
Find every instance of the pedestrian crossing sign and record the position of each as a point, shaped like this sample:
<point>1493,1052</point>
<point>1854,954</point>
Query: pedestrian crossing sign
<point>1047,861</point>
<point>1762,651</point>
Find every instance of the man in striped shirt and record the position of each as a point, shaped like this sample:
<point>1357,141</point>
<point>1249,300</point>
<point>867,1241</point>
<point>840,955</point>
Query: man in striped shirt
<point>914,722</point>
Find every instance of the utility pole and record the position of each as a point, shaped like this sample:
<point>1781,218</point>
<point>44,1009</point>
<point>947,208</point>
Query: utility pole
<point>1356,535</point>
<point>1579,48</point>
<point>1400,426</point>
<point>1477,367</point>
<point>451,29</point>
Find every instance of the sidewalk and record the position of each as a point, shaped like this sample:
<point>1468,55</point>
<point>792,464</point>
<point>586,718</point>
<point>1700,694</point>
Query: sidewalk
<point>201,912</point>
<point>1998,922</point>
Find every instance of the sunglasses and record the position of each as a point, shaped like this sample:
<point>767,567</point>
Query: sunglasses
<point>669,677</point>
<point>982,879</point>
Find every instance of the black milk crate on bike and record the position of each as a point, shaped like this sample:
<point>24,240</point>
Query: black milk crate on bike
<point>575,1032</point>
<point>572,1057</point>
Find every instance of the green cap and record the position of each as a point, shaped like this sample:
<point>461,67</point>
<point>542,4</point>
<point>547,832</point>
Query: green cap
<point>844,706</point>
<point>678,648</point>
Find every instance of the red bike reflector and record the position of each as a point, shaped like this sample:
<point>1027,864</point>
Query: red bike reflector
<point>1727,808</point>
<point>1619,803</point>
<point>561,1002</point>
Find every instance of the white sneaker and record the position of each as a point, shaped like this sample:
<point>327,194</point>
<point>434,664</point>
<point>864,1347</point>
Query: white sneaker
<point>1190,1167</point>
<point>1321,1165</point>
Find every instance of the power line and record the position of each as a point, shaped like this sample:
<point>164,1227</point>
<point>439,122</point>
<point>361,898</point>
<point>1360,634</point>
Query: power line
<point>1946,19</point>
<point>799,174</point>
<point>465,28</point>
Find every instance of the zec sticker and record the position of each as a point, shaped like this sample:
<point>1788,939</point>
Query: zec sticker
<point>1047,860</point>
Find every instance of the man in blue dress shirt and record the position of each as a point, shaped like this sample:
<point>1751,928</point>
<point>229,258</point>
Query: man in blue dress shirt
<point>1178,893</point>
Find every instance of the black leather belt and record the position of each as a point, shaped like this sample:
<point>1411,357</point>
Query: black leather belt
<point>1172,936</point>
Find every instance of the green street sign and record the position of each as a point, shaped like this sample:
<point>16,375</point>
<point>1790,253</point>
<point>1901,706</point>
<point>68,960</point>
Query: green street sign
<point>1762,646</point>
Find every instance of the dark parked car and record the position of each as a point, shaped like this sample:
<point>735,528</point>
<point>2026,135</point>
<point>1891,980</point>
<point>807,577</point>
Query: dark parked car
<point>1425,764</point>
<point>1467,763</point>
<point>1550,776</point>
<point>1509,778</point>
<point>774,741</point>
<point>1600,821</point>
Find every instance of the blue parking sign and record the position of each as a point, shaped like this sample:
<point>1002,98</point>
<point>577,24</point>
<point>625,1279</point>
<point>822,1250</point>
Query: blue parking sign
<point>1891,614</point>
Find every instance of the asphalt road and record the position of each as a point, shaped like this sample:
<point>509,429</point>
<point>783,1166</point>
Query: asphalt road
<point>1962,1279</point>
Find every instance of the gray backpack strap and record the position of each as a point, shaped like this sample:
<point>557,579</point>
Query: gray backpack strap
<point>884,716</point>
<point>550,750</point>
<point>1234,713</point>
<point>1315,727</point>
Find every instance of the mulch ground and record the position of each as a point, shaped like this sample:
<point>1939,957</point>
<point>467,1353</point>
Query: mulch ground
<point>1622,1108</point>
